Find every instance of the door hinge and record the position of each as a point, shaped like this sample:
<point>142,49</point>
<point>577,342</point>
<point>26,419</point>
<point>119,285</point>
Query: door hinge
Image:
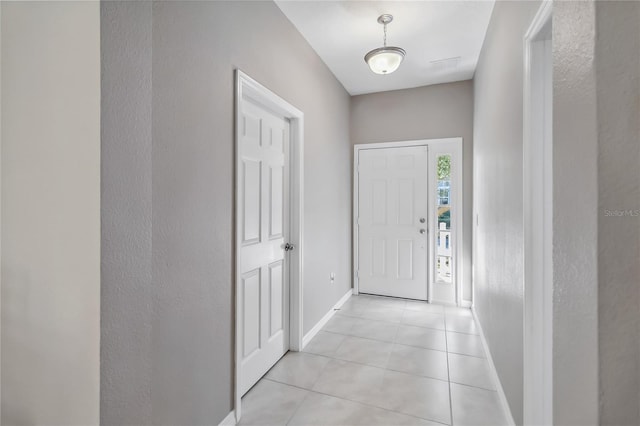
<point>358,274</point>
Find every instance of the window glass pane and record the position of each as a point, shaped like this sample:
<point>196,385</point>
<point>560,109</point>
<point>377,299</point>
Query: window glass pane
<point>444,261</point>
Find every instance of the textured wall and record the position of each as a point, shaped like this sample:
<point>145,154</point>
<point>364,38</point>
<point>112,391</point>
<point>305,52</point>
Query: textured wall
<point>50,213</point>
<point>126,285</point>
<point>618,93</point>
<point>575,222</point>
<point>186,326</point>
<point>497,156</point>
<point>430,112</point>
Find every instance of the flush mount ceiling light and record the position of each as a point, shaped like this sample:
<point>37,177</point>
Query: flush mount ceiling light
<point>386,59</point>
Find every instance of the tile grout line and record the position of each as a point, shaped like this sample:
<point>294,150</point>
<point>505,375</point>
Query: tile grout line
<point>420,376</point>
<point>410,324</point>
<point>309,391</point>
<point>399,343</point>
<point>298,407</point>
<point>446,344</point>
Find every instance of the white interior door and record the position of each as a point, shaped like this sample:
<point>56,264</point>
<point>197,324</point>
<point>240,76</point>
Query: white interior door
<point>263,191</point>
<point>392,221</point>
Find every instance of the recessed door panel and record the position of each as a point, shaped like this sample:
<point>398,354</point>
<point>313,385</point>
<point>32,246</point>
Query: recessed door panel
<point>379,201</point>
<point>276,207</point>
<point>404,209</point>
<point>252,130</point>
<point>276,297</point>
<point>404,259</point>
<point>252,182</point>
<point>379,257</point>
<point>251,310</point>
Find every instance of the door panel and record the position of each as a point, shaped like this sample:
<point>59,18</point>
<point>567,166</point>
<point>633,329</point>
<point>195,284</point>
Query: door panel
<point>264,203</point>
<point>251,211</point>
<point>251,305</point>
<point>392,198</point>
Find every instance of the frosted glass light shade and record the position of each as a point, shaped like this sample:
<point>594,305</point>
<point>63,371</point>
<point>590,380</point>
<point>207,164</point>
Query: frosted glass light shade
<point>384,60</point>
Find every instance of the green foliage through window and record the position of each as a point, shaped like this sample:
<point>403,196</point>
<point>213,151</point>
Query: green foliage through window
<point>444,167</point>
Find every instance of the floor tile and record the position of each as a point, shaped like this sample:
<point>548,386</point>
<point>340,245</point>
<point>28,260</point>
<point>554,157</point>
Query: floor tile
<point>476,407</point>
<point>382,361</point>
<point>339,324</point>
<point>372,329</point>
<point>466,344</point>
<point>461,324</point>
<point>355,303</point>
<point>348,380</point>
<point>319,409</point>
<point>469,370</point>
<point>270,403</point>
<point>416,305</point>
<point>428,338</point>
<point>423,319</point>
<point>457,311</point>
<point>324,343</point>
<point>382,314</point>
<point>364,351</point>
<point>298,369</point>
<point>386,302</point>
<point>418,361</point>
<point>417,396</point>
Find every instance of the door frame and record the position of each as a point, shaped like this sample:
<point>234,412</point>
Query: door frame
<point>538,219</point>
<point>456,146</point>
<point>248,88</point>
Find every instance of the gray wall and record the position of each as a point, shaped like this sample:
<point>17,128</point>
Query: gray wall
<point>618,93</point>
<point>575,210</point>
<point>185,324</point>
<point>126,291</point>
<point>596,342</point>
<point>430,112</point>
<point>50,213</point>
<point>497,157</point>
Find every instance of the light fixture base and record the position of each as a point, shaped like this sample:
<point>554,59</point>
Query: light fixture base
<point>385,19</point>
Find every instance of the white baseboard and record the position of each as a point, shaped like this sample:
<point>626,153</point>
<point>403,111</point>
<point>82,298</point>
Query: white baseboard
<point>494,372</point>
<point>466,304</point>
<point>230,420</point>
<point>325,319</point>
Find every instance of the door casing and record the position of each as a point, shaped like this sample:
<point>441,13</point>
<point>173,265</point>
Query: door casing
<point>538,219</point>
<point>453,145</point>
<point>248,88</point>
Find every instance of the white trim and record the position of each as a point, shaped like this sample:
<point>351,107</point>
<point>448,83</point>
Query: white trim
<point>494,372</point>
<point>246,87</point>
<point>230,420</point>
<point>538,221</point>
<point>325,319</point>
<point>466,304</point>
<point>458,171</point>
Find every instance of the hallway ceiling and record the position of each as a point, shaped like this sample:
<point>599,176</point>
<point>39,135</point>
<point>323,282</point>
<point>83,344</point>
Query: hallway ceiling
<point>442,39</point>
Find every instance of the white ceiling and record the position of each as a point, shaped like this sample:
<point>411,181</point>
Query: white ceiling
<point>342,32</point>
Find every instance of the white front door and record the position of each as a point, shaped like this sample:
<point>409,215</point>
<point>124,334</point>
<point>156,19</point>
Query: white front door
<point>392,222</point>
<point>263,191</point>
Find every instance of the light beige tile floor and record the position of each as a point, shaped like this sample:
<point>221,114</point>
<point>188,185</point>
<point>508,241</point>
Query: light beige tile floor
<point>382,361</point>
